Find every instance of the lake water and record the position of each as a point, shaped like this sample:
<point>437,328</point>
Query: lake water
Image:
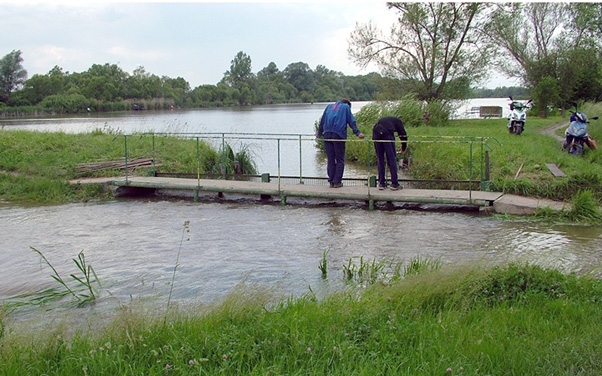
<point>134,245</point>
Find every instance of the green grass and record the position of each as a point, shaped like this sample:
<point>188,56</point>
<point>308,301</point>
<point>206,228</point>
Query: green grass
<point>517,163</point>
<point>37,166</point>
<point>504,320</point>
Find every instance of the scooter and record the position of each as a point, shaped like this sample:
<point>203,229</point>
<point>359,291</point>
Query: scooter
<point>518,116</point>
<point>576,134</point>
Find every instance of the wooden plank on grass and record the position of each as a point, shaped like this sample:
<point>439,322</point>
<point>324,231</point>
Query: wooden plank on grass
<point>555,170</point>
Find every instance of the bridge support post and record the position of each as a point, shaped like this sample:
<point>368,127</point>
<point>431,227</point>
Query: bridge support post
<point>282,200</point>
<point>265,178</point>
<point>371,204</point>
<point>196,195</point>
<point>372,181</point>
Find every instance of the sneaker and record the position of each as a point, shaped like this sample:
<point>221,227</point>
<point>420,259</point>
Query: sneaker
<point>381,187</point>
<point>395,187</point>
<point>337,185</point>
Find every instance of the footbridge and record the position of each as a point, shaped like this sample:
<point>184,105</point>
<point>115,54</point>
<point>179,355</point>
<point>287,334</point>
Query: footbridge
<point>283,188</point>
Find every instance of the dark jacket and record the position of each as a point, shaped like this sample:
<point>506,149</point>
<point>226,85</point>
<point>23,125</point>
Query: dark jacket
<point>386,127</point>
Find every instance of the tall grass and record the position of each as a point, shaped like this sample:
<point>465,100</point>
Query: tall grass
<point>517,319</point>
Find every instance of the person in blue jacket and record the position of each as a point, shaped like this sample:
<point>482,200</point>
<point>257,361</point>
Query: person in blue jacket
<point>383,135</point>
<point>333,127</point>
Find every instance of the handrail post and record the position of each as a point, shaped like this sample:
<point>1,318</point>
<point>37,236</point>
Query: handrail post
<point>125,140</point>
<point>154,155</point>
<point>198,171</point>
<point>198,161</point>
<point>278,163</point>
<point>470,171</point>
<point>300,161</point>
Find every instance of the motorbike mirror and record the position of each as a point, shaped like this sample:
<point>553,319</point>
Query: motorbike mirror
<point>511,98</point>
<point>595,118</point>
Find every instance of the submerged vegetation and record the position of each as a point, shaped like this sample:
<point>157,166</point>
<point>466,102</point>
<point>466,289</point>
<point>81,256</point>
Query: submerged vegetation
<point>514,319</point>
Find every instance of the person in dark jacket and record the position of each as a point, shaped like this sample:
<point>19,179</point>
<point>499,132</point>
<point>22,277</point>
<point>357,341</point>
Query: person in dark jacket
<point>383,135</point>
<point>333,127</point>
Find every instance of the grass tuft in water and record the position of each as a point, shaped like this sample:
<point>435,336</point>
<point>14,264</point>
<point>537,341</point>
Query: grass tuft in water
<point>324,264</point>
<point>81,287</point>
<point>371,272</point>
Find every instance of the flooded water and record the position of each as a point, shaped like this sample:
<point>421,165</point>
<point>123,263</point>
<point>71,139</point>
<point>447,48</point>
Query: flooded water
<point>135,245</point>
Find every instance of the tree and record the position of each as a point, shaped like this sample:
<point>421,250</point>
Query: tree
<point>525,33</point>
<point>300,76</point>
<point>545,94</point>
<point>433,43</point>
<point>12,74</point>
<point>240,76</point>
<point>550,41</point>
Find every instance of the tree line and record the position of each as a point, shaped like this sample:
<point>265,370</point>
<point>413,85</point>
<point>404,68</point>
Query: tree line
<point>437,51</point>
<point>109,88</point>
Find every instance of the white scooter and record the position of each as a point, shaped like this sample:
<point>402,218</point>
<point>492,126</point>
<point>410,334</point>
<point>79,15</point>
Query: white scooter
<point>518,116</point>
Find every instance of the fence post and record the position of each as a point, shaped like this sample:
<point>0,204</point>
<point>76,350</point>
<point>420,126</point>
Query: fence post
<point>300,162</point>
<point>125,140</point>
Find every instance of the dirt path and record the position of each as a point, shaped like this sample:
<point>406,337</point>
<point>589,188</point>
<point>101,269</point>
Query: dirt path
<point>550,130</point>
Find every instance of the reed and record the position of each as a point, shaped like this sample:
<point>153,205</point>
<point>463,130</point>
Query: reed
<point>323,266</point>
<point>385,271</point>
<point>81,286</point>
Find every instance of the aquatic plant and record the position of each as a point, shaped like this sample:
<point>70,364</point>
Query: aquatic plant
<point>228,162</point>
<point>81,287</point>
<point>371,272</point>
<point>585,208</point>
<point>324,264</point>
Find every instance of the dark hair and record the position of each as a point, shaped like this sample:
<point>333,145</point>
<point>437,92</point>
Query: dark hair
<point>346,101</point>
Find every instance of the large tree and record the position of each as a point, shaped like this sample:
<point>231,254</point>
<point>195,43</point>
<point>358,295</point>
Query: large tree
<point>12,74</point>
<point>432,45</point>
<point>540,42</point>
<point>240,77</point>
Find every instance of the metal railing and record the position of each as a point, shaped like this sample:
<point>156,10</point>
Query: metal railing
<point>481,144</point>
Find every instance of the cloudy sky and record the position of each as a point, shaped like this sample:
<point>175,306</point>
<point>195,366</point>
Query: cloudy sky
<point>195,40</point>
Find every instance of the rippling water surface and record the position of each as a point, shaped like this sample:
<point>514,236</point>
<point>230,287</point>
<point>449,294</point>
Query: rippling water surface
<point>134,246</point>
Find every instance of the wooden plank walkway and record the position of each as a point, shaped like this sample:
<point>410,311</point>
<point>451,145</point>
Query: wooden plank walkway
<point>275,188</point>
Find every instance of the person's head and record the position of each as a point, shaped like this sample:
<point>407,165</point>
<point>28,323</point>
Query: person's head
<point>346,101</point>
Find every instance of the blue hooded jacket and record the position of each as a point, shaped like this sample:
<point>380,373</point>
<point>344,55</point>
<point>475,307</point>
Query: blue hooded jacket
<point>335,119</point>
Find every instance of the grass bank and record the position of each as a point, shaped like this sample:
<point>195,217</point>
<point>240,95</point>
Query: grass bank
<point>37,166</point>
<point>518,164</point>
<point>504,320</point>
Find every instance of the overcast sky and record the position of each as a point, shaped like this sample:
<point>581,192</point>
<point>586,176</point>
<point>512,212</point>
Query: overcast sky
<point>195,40</point>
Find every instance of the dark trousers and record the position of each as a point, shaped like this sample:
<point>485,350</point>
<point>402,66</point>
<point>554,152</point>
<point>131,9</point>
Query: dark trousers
<point>335,152</point>
<point>386,151</point>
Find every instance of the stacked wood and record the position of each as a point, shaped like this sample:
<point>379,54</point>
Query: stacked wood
<point>120,164</point>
